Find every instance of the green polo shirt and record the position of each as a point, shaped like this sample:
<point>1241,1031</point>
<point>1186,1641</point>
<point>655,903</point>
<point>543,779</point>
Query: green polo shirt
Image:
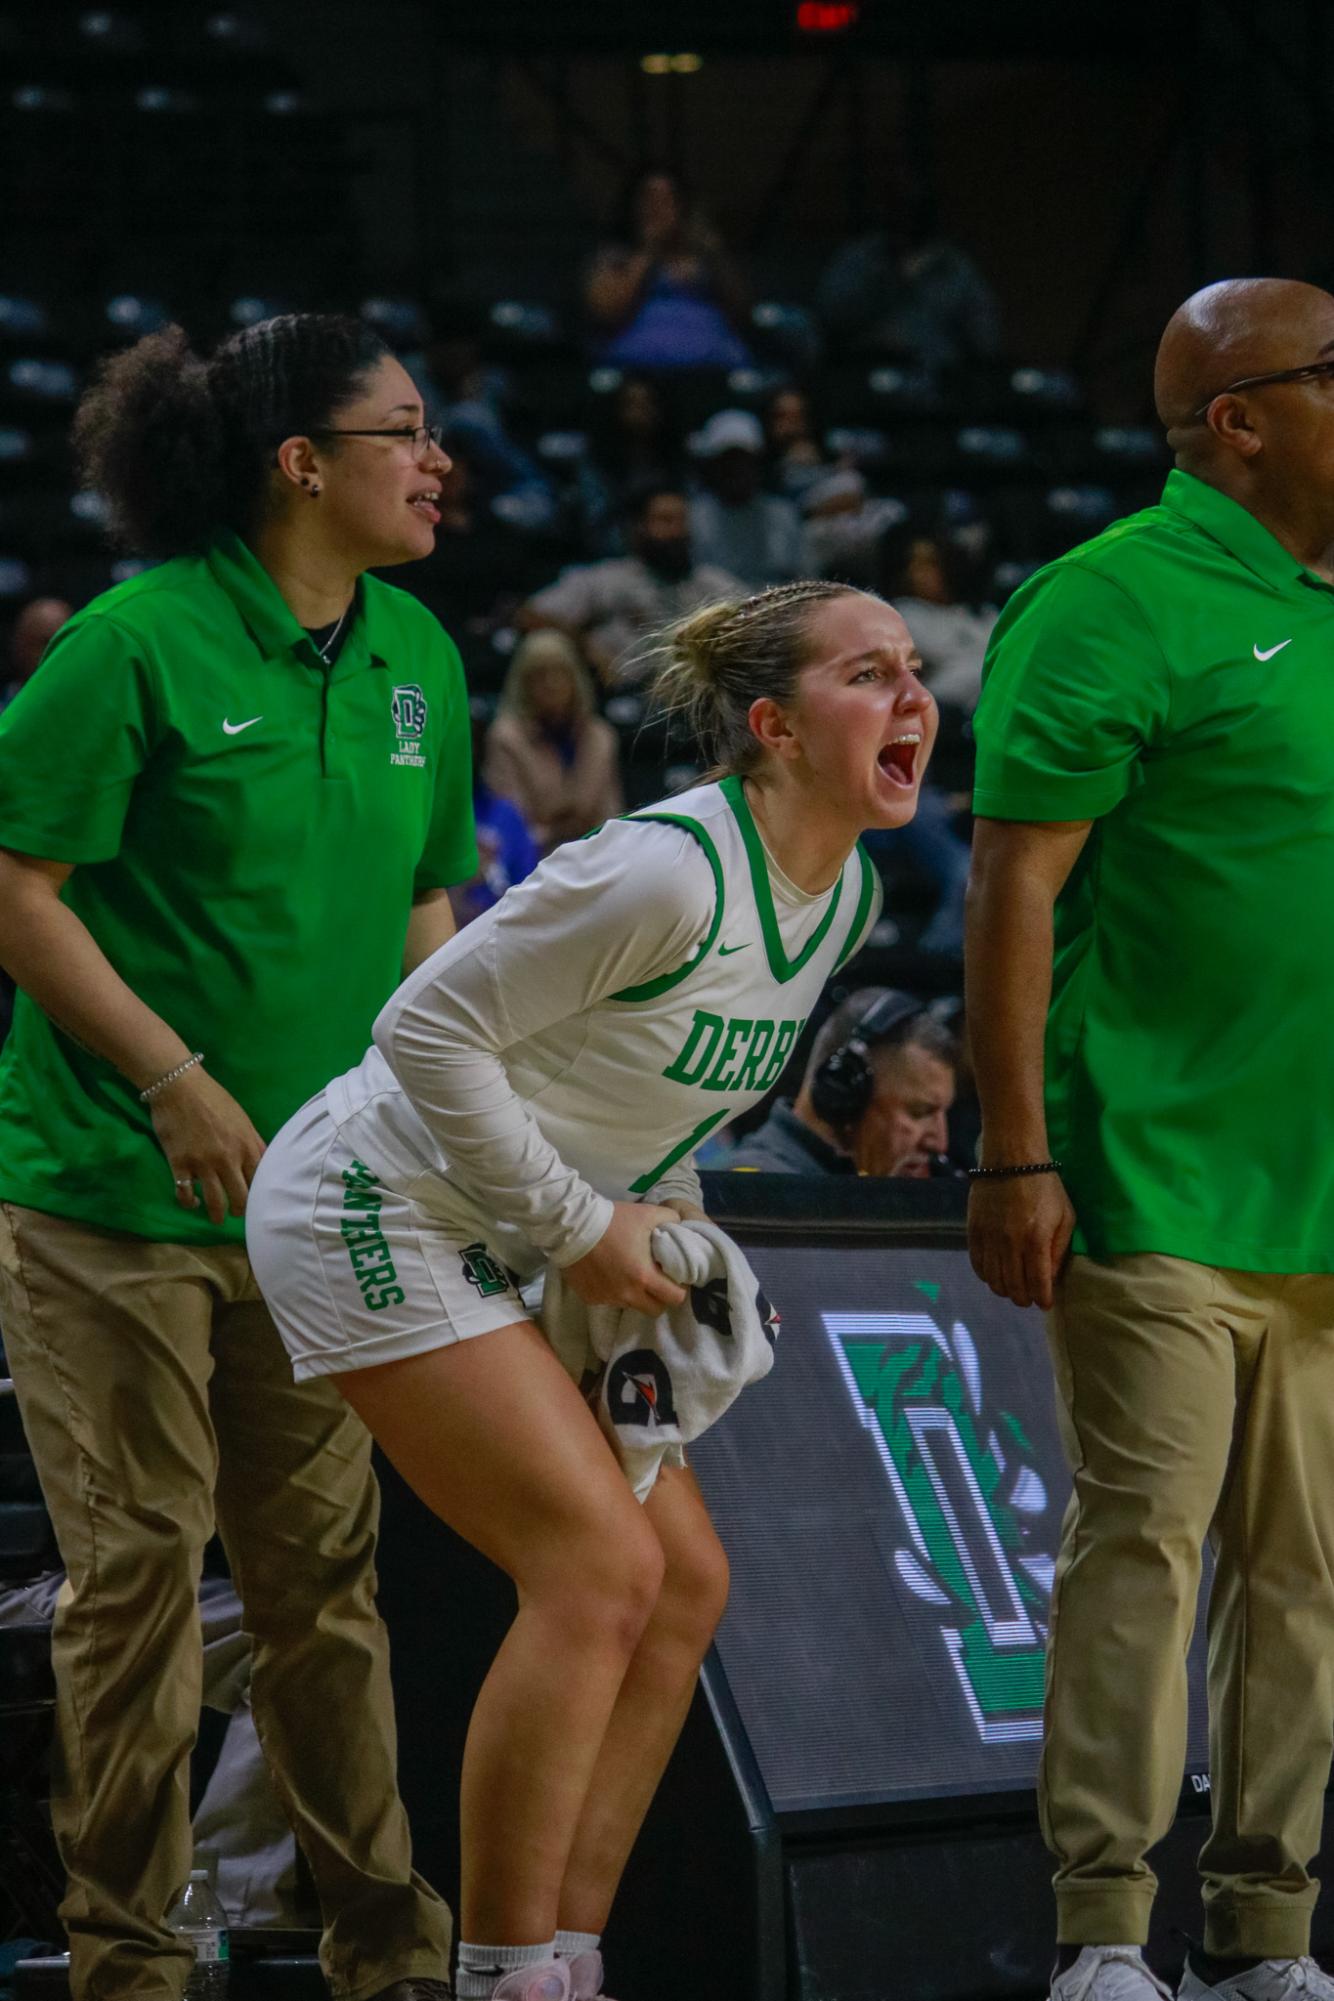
<point>249,829</point>
<point>1173,681</point>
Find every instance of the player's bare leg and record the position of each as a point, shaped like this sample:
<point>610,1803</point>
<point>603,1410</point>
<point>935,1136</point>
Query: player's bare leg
<point>654,1698</point>
<point>495,1438</point>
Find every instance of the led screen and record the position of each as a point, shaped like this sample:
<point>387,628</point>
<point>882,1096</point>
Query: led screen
<point>890,1498</point>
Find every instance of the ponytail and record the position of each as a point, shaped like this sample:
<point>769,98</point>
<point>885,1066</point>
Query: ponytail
<point>720,660</point>
<point>181,447</point>
<point>147,436</point>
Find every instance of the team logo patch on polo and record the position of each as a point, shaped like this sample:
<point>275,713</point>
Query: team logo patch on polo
<point>408,705</point>
<point>483,1271</point>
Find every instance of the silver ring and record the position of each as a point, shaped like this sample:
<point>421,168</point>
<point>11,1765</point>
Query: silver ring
<point>185,1181</point>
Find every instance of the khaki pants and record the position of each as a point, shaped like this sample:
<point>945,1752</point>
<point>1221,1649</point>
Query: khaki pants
<point>153,1386</point>
<point>1195,1402</point>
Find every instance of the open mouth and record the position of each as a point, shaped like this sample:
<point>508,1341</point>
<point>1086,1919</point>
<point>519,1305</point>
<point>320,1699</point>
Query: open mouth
<point>425,504</point>
<point>898,758</point>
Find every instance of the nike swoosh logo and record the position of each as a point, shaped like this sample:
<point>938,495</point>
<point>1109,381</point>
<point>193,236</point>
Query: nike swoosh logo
<point>1269,652</point>
<point>234,729</point>
<point>725,951</point>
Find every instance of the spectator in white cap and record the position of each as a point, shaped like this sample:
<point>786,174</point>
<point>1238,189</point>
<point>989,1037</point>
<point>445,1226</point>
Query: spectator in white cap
<point>734,524</point>
<point>844,525</point>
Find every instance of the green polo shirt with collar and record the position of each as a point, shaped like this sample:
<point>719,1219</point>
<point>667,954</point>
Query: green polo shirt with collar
<point>1173,681</point>
<point>249,829</point>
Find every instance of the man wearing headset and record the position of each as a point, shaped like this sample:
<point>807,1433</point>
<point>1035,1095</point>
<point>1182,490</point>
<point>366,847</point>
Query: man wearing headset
<point>874,1099</point>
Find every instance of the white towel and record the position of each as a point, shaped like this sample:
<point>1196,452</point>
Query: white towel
<point>663,1380</point>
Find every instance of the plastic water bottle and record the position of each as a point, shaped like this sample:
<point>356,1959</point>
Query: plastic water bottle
<point>199,1918</point>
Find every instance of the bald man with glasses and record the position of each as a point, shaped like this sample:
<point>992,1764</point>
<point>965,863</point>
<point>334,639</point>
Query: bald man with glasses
<point>1151,981</point>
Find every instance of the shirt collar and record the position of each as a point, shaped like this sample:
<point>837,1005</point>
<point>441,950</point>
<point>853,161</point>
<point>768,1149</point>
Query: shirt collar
<point>828,1159</point>
<point>1228,522</point>
<point>269,618</point>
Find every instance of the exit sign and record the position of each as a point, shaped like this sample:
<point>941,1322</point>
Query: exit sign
<point>827,17</point>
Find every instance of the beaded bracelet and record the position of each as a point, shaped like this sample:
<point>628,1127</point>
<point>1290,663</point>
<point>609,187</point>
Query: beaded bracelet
<point>1014,1173</point>
<point>150,1091</point>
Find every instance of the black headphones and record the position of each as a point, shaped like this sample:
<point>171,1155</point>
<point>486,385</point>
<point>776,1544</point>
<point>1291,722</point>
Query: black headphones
<point>841,1088</point>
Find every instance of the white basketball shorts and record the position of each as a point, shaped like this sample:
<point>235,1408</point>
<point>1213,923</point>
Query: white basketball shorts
<point>353,1273</point>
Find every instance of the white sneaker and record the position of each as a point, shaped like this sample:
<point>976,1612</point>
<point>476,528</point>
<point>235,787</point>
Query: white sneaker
<point>1109,1973</point>
<point>1271,1980</point>
<point>547,1980</point>
<point>586,1977</point>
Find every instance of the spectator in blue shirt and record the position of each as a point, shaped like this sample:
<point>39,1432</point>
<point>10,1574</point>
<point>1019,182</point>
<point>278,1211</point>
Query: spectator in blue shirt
<point>506,845</point>
<point>666,294</point>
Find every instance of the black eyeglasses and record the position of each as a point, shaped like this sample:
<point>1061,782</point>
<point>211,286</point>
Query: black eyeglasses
<point>1312,372</point>
<point>418,436</point>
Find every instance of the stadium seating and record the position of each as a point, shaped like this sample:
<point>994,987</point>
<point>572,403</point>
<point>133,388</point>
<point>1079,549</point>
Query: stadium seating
<point>116,107</point>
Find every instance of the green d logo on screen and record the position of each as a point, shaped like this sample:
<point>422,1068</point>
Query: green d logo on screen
<point>969,1498</point>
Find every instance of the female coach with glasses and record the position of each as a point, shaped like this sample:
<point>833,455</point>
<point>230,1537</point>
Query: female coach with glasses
<point>231,801</point>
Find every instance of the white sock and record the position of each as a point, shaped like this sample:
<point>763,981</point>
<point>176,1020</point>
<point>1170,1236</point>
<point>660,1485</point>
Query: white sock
<point>569,1945</point>
<point>481,1966</point>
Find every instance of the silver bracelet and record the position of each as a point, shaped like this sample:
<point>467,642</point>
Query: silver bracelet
<point>150,1091</point>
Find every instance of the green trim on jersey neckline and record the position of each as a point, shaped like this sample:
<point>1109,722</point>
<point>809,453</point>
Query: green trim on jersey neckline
<point>782,968</point>
<point>869,880</point>
<point>650,989</point>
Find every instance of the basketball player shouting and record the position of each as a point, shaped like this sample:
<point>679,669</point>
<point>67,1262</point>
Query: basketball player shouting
<point>529,1084</point>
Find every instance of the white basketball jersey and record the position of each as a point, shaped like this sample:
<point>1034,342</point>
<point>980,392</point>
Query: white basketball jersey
<point>642,988</point>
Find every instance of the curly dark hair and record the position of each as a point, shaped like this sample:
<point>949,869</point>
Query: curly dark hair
<point>181,446</point>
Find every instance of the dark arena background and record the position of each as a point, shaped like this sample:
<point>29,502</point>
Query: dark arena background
<point>850,1815</point>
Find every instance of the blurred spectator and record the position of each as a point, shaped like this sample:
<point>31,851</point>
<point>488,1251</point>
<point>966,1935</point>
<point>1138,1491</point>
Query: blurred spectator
<point>932,842</point>
<point>906,293</point>
<point>506,847</point>
<point>901,1129</point>
<point>928,579</point>
<point>735,524</point>
<point>467,398</point>
<point>33,630</point>
<point>634,444</point>
<point>844,527</point>
<point>480,565</point>
<point>966,1111</point>
<point>665,294</point>
<point>795,456</point>
<point>610,606</point>
<point>930,838</point>
<point>547,749</point>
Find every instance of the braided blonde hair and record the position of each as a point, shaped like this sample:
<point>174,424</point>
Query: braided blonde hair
<point>719,660</point>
